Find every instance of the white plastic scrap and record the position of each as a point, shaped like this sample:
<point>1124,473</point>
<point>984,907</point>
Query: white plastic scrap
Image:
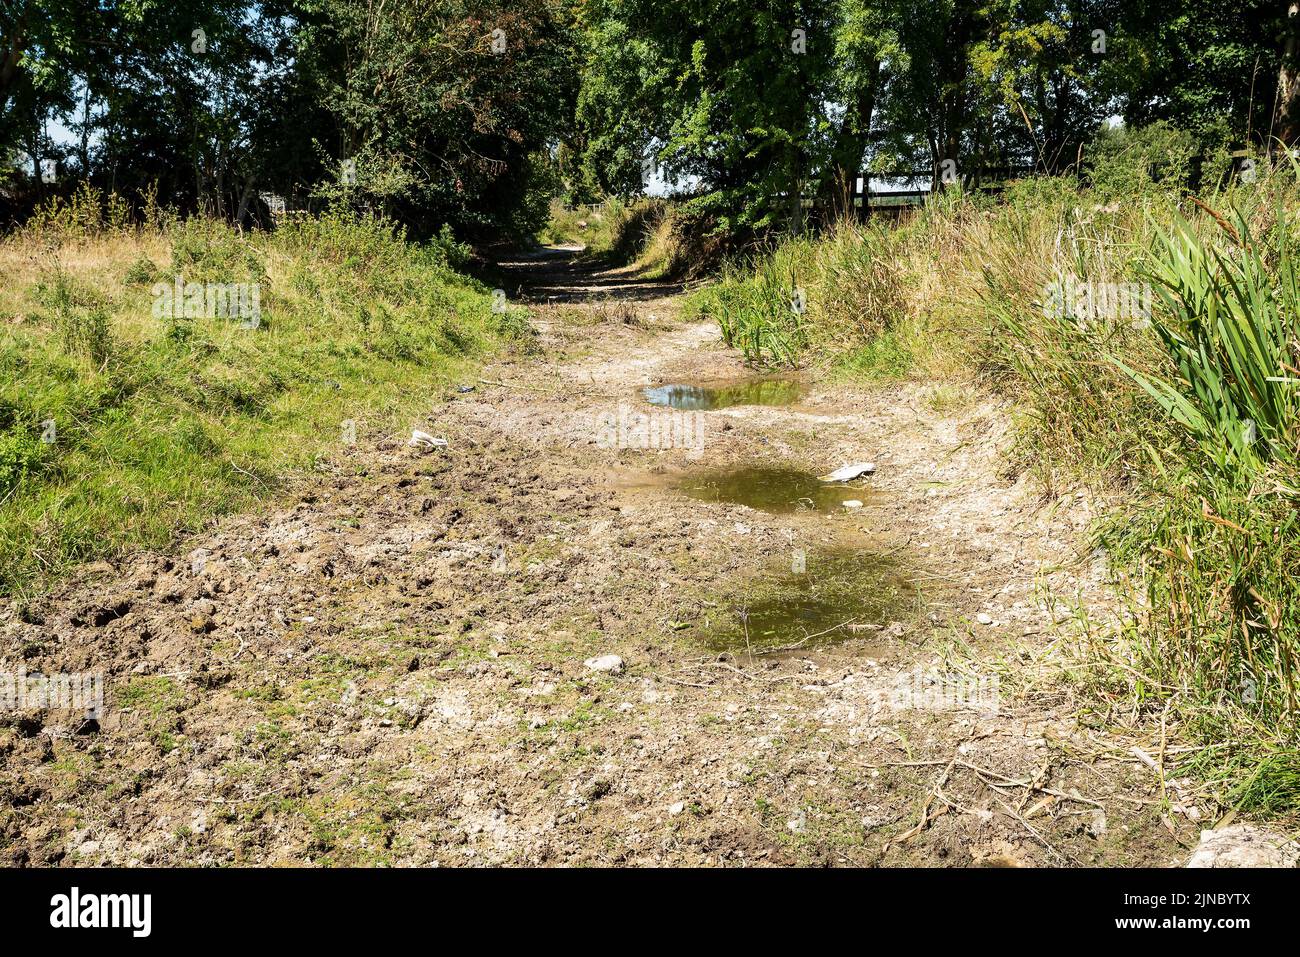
<point>847,473</point>
<point>424,440</point>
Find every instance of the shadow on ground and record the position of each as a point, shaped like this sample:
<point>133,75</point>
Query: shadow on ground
<point>557,274</point>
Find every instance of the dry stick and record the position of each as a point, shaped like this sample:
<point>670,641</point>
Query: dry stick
<point>1163,740</point>
<point>514,385</point>
<point>1014,782</point>
<point>926,817</point>
<point>538,388</point>
<point>1034,784</point>
<point>1030,828</point>
<point>746,674</point>
<point>688,684</point>
<point>925,810</point>
<point>256,797</point>
<point>935,791</point>
<point>724,665</point>
<point>250,475</point>
<point>1131,670</point>
<point>806,638</point>
<point>792,647</point>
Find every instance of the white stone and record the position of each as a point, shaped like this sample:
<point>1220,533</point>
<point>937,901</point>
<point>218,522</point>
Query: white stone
<point>609,664</point>
<point>1245,845</point>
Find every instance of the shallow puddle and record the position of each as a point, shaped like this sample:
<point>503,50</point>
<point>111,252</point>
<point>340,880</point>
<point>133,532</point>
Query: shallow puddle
<point>706,398</point>
<point>838,595</point>
<point>776,490</point>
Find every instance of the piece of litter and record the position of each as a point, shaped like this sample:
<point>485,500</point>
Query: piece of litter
<point>424,440</point>
<point>853,503</point>
<point>846,473</point>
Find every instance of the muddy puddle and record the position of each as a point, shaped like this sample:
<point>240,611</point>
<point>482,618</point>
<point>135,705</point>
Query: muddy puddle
<point>811,599</point>
<point>709,397</point>
<point>775,490</point>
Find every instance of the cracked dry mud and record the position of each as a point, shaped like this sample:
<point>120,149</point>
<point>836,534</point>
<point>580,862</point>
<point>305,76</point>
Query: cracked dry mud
<point>386,666</point>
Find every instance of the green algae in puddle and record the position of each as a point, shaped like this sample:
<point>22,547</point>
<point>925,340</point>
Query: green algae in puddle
<point>839,595</point>
<point>776,490</point>
<point>704,398</point>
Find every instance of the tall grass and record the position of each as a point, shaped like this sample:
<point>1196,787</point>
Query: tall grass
<point>1225,539</point>
<point>761,312</point>
<point>594,227</point>
<point>1233,331</point>
<point>807,298</point>
<point>120,428</point>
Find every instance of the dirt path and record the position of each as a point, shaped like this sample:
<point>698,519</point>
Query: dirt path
<point>390,667</point>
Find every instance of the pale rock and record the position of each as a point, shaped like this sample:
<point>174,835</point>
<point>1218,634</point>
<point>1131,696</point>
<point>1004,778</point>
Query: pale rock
<point>1244,845</point>
<point>607,664</point>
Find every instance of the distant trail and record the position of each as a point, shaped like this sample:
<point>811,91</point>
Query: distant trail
<point>390,665</point>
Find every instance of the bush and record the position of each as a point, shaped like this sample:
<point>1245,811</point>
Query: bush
<point>142,272</point>
<point>1125,162</point>
<point>761,306</point>
<point>80,315</point>
<point>87,212</point>
<point>206,250</point>
<point>838,294</point>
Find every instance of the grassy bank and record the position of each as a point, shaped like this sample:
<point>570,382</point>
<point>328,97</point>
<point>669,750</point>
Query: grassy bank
<point>123,424</point>
<point>662,239</point>
<point>1150,344</point>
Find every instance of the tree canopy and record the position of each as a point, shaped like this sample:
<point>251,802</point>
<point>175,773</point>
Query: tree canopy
<point>472,113</point>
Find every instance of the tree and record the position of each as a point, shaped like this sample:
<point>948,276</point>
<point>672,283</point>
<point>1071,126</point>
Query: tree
<point>868,52</point>
<point>439,109</point>
<point>763,102</point>
<point>1286,119</point>
<point>1208,68</point>
<point>42,44</point>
